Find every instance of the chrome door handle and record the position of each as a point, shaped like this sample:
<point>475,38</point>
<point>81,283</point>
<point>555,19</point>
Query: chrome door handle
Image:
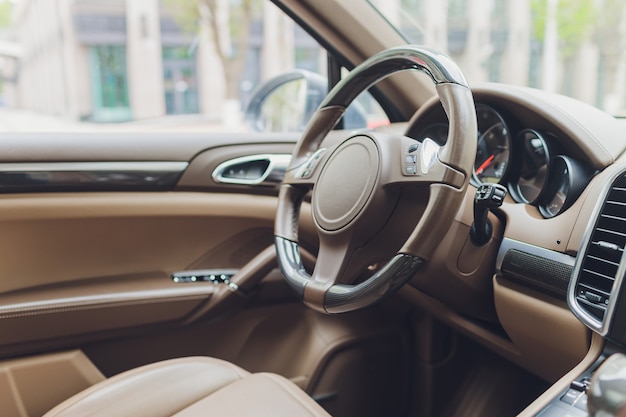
<point>261,170</point>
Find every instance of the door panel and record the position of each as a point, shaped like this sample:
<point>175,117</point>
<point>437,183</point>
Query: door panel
<point>88,265</point>
<point>83,263</point>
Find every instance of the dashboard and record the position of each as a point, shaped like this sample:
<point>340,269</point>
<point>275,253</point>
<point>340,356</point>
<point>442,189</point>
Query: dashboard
<point>554,155</point>
<point>531,162</point>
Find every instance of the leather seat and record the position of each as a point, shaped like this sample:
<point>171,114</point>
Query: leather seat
<point>188,387</point>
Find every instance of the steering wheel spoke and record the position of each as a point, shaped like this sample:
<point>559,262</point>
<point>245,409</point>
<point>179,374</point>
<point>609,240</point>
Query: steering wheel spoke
<point>419,164</point>
<point>438,173</point>
<point>332,259</point>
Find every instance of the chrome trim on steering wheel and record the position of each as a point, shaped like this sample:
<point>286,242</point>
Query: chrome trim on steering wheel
<point>439,67</point>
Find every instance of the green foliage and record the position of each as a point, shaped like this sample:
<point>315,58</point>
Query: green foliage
<point>575,20</point>
<point>6,9</point>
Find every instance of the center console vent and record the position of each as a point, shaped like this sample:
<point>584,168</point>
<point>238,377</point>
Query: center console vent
<point>597,273</point>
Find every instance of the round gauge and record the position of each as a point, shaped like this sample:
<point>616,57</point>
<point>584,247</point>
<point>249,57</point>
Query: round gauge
<point>568,179</point>
<point>535,167</point>
<point>494,146</point>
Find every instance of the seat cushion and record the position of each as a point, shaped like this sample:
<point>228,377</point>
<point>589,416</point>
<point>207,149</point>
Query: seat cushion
<point>189,387</point>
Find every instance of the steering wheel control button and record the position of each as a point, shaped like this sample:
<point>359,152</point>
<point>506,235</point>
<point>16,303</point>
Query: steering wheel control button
<point>419,158</point>
<point>410,164</point>
<point>306,170</point>
<point>346,183</point>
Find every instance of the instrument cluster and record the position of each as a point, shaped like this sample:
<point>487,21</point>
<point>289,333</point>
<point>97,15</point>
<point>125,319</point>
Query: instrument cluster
<point>530,163</point>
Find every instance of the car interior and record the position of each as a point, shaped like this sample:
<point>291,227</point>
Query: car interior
<point>465,259</point>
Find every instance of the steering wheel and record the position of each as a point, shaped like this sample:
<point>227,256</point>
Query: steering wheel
<point>361,185</point>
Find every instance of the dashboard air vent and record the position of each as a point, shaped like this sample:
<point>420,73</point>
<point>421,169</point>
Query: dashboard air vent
<point>596,270</point>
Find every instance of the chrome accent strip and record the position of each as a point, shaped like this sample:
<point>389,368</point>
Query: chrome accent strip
<point>590,321</point>
<point>102,300</point>
<point>273,174</point>
<point>134,166</point>
<point>509,244</point>
<point>214,276</point>
<point>203,272</point>
<point>90,176</point>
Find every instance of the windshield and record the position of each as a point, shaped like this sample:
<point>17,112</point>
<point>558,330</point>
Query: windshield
<point>244,65</point>
<point>571,47</point>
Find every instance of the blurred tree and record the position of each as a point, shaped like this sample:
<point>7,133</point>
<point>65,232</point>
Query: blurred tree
<point>601,21</point>
<point>228,22</point>
<point>575,21</point>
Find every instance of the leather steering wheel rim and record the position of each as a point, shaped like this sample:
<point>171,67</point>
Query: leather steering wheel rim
<point>445,170</point>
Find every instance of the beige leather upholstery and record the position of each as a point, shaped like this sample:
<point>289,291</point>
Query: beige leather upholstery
<point>188,387</point>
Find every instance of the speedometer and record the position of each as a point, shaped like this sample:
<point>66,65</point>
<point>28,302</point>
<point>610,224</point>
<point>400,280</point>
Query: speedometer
<point>494,146</point>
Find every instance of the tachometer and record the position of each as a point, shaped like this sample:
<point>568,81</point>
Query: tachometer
<point>494,146</point>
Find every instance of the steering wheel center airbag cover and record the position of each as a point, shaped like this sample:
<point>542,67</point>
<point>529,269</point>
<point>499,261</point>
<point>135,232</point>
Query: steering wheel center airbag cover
<point>346,183</point>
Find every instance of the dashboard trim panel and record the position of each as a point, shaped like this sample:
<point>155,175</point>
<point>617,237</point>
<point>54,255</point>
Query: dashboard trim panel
<point>512,244</point>
<point>90,176</point>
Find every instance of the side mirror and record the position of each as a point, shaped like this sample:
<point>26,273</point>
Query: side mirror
<point>287,102</point>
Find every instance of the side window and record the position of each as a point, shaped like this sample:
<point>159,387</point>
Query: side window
<point>282,78</point>
<point>231,65</point>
